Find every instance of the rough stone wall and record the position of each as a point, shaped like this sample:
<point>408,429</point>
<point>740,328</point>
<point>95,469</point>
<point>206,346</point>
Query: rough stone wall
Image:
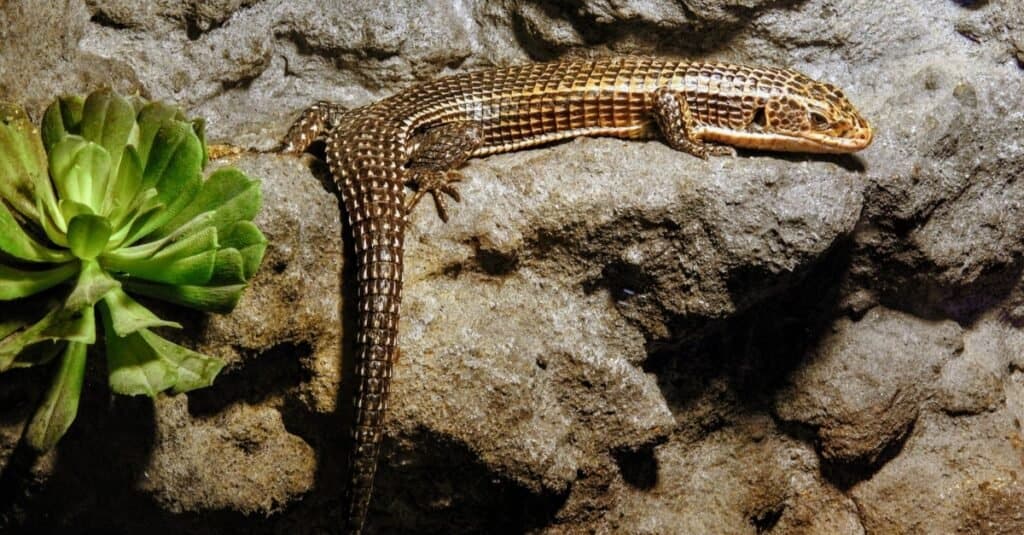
<point>609,336</point>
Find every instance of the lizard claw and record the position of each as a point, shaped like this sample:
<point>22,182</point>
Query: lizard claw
<point>435,183</point>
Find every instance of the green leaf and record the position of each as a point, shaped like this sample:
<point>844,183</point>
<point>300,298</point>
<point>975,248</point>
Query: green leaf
<point>108,120</point>
<point>138,103</point>
<point>9,325</point>
<point>80,170</point>
<point>151,118</point>
<point>250,242</point>
<point>93,283</point>
<point>71,209</point>
<point>201,241</point>
<point>229,268</point>
<point>128,316</point>
<point>194,370</point>
<point>174,169</point>
<point>88,235</point>
<point>144,208</point>
<point>127,188</point>
<point>23,175</point>
<point>199,127</point>
<point>135,367</point>
<point>73,320</point>
<point>174,159</point>
<point>220,299</point>
<point>17,283</point>
<point>196,269</point>
<point>17,243</point>
<point>189,261</point>
<point>144,363</point>
<point>53,223</point>
<point>62,118</point>
<point>60,406</point>
<point>147,249</point>
<point>22,337</point>
<point>78,327</point>
<point>228,193</point>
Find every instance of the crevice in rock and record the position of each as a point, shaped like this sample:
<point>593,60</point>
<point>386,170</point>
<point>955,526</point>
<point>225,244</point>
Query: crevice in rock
<point>648,35</point>
<point>639,467</point>
<point>623,281</point>
<point>739,363</point>
<point>765,521</point>
<point>844,475</point>
<point>442,487</point>
<point>495,263</point>
<point>916,291</point>
<point>193,30</point>
<point>103,19</point>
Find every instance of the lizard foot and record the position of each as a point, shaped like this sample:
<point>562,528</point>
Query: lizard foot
<point>720,150</point>
<point>435,183</point>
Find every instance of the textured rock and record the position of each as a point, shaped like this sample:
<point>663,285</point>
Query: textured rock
<point>609,336</point>
<point>958,475</point>
<point>864,384</point>
<point>242,458</point>
<point>734,481</point>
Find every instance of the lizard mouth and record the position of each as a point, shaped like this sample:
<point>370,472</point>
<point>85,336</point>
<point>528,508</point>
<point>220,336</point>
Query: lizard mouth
<point>816,142</point>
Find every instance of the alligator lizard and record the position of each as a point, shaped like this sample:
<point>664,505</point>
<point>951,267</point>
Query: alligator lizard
<point>418,137</point>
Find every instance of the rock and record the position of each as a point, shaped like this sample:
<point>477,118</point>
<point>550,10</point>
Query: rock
<point>975,382</point>
<point>863,385</point>
<point>954,475</point>
<point>242,458</point>
<point>608,336</point>
<point>734,481</point>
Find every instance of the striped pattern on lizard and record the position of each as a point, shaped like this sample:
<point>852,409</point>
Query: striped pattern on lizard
<point>420,136</point>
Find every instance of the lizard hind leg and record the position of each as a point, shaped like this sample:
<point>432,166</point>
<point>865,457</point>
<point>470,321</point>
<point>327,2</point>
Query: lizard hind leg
<point>677,125</point>
<point>314,122</point>
<point>435,155</point>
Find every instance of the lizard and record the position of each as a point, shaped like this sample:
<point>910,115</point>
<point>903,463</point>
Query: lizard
<point>419,137</point>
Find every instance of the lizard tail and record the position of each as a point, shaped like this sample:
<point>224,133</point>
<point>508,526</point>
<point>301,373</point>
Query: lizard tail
<point>379,284</point>
<point>373,189</point>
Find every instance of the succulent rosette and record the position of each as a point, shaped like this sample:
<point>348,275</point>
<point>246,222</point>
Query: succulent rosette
<point>107,200</point>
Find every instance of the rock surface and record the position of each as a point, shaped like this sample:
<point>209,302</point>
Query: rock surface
<point>609,336</point>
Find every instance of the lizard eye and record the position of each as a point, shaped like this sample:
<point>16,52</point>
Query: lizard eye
<point>819,121</point>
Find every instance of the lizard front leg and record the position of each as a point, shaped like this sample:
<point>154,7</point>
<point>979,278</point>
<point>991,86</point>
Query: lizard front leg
<point>315,121</point>
<point>434,158</point>
<point>677,125</point>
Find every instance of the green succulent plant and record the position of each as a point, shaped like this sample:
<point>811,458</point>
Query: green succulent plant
<point>107,199</point>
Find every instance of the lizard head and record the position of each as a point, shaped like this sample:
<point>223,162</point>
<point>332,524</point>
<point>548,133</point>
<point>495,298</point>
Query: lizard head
<point>810,116</point>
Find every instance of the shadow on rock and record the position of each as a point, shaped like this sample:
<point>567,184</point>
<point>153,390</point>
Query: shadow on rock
<point>419,492</point>
<point>98,464</point>
<point>742,361</point>
<point>268,373</point>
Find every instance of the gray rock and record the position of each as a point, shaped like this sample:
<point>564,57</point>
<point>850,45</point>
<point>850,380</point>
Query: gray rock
<point>975,382</point>
<point>954,475</point>
<point>241,458</point>
<point>608,336</point>
<point>733,481</point>
<point>864,384</point>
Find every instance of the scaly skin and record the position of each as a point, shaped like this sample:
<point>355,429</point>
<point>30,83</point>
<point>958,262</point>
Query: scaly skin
<point>420,136</point>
